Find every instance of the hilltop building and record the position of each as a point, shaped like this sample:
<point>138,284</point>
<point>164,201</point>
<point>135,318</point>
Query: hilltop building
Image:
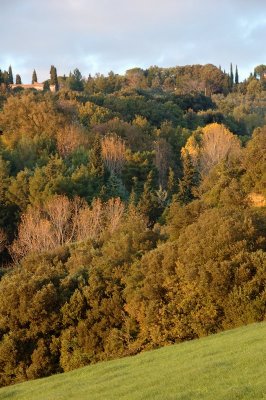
<point>35,85</point>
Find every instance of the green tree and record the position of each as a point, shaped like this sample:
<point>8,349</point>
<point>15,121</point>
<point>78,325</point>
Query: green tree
<point>34,77</point>
<point>75,81</point>
<point>10,75</point>
<point>53,77</point>
<point>46,86</point>
<point>18,80</point>
<point>189,180</point>
<point>260,71</point>
<point>231,76</point>
<point>236,76</point>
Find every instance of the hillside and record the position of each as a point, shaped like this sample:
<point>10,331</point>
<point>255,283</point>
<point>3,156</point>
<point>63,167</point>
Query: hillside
<point>132,214</point>
<point>229,365</point>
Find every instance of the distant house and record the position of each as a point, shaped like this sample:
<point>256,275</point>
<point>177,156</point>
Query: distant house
<point>35,85</point>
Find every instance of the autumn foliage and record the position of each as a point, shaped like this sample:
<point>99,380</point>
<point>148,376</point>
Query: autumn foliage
<point>132,215</point>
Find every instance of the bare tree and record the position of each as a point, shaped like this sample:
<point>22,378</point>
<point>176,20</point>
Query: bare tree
<point>62,221</point>
<point>70,138</point>
<point>114,153</point>
<point>114,211</point>
<point>34,235</point>
<point>59,213</point>
<point>89,221</point>
<point>210,145</point>
<point>218,143</point>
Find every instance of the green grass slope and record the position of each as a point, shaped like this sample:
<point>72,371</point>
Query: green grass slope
<point>229,366</point>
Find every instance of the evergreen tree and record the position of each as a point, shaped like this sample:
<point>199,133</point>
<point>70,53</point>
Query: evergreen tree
<point>34,77</point>
<point>171,183</point>
<point>145,204</point>
<point>189,181</point>
<point>54,79</point>
<point>96,163</point>
<point>96,169</point>
<point>75,81</point>
<point>10,75</point>
<point>18,80</point>
<point>46,86</point>
<point>115,188</point>
<point>231,76</point>
<point>236,76</point>
<point>148,203</point>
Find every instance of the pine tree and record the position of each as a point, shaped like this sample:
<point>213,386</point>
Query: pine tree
<point>116,188</point>
<point>236,76</point>
<point>34,77</point>
<point>96,164</point>
<point>18,80</point>
<point>10,75</point>
<point>54,79</point>
<point>148,202</point>
<point>189,181</point>
<point>75,81</point>
<point>171,183</point>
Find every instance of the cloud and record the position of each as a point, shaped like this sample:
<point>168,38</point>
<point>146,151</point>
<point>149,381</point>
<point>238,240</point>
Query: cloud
<point>99,35</point>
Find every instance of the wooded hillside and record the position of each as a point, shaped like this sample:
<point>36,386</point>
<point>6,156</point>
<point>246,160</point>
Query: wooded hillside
<point>132,214</point>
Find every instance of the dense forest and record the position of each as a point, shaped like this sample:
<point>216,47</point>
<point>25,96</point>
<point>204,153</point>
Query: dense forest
<point>132,213</point>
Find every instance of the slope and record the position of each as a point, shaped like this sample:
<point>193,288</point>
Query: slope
<point>229,365</point>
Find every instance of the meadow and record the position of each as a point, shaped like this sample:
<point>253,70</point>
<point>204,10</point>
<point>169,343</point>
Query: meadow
<point>228,365</point>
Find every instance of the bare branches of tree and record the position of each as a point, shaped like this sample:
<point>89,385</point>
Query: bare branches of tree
<point>62,221</point>
<point>70,138</point>
<point>114,153</point>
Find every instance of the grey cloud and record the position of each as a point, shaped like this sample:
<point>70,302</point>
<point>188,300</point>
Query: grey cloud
<point>100,35</point>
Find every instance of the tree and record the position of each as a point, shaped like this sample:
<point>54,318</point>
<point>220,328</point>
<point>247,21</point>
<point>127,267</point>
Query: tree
<point>75,81</point>
<point>18,80</point>
<point>189,181</point>
<point>10,75</point>
<point>53,77</point>
<point>34,77</point>
<point>211,145</point>
<point>231,76</point>
<point>96,163</point>
<point>114,153</point>
<point>260,71</point>
<point>46,86</point>
<point>163,158</point>
<point>236,76</point>
<point>69,138</point>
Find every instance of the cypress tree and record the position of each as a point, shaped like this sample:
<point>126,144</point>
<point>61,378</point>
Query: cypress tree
<point>34,77</point>
<point>231,75</point>
<point>10,75</point>
<point>18,80</point>
<point>236,76</point>
<point>53,79</point>
<point>46,86</point>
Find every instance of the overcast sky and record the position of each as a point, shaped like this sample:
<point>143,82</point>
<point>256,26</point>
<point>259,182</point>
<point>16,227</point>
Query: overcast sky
<point>104,35</point>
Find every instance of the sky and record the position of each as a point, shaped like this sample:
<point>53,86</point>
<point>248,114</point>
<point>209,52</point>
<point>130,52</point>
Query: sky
<point>116,35</point>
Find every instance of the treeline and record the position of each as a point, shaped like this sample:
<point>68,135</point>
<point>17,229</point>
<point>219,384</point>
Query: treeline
<point>129,219</point>
<point>206,79</point>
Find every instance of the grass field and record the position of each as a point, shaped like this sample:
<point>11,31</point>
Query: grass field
<point>228,366</point>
